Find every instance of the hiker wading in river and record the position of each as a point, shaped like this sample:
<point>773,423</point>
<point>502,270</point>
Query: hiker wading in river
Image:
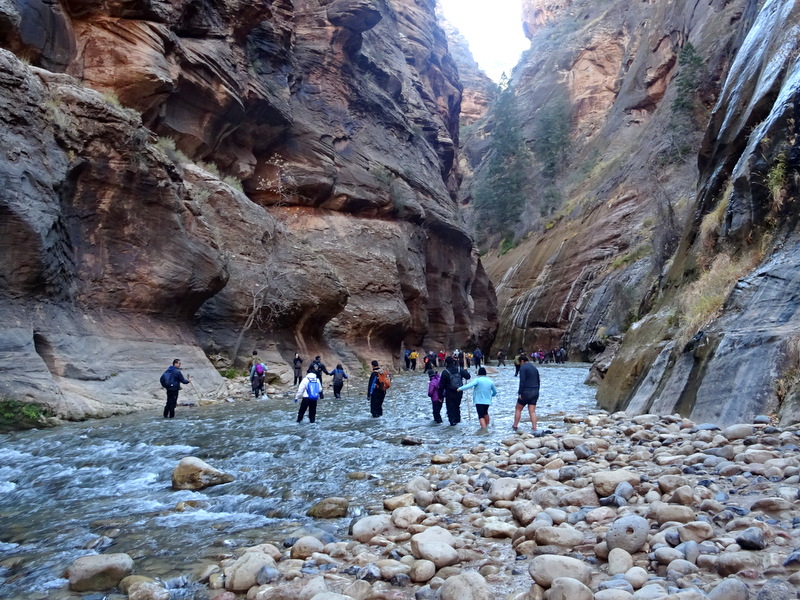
<point>171,380</point>
<point>310,390</point>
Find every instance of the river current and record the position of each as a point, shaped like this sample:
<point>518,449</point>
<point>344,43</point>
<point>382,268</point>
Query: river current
<point>105,485</point>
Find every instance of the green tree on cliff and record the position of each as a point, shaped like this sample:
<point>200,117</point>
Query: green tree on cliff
<point>551,136</point>
<point>503,186</point>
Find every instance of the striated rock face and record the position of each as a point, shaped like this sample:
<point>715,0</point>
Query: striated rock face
<point>743,361</point>
<point>606,224</point>
<point>479,91</point>
<point>339,120</point>
<point>633,244</point>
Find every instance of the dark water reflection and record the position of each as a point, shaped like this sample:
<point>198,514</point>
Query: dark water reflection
<point>62,490</point>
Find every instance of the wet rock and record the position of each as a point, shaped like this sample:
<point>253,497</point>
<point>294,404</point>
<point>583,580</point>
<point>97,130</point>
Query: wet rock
<point>751,538</point>
<point>128,581</point>
<point>369,573</point>
<point>144,590</point>
<point>391,504</point>
<point>613,595</point>
<point>729,589</point>
<point>505,488</point>
<point>405,516</point>
<point>637,577</point>
<point>243,574</point>
<point>498,529</point>
<point>605,482</point>
<point>267,574</point>
<point>628,532</point>
<point>567,588</point>
<point>367,528</point>
<point>545,569</point>
<point>730,563</point>
<point>329,508</point>
<point>422,571</point>
<point>195,474</point>
<point>775,589</point>
<point>466,586</point>
<point>696,531</point>
<point>436,545</point>
<point>563,536</point>
<point>98,572</point>
<point>619,561</point>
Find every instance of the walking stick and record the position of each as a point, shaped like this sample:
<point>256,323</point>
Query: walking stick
<point>196,393</point>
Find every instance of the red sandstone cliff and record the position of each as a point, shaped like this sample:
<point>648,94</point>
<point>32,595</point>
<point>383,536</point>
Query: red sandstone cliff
<point>337,121</point>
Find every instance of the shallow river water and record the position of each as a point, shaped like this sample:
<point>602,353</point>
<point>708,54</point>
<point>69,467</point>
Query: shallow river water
<point>105,485</point>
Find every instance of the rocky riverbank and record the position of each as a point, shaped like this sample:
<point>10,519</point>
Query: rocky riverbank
<point>610,508</point>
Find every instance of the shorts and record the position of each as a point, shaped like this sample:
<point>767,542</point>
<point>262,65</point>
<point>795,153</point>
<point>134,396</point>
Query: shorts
<point>528,397</point>
<point>483,410</point>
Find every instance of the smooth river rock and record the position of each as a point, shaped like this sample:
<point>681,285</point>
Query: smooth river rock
<point>195,474</point>
<point>98,572</point>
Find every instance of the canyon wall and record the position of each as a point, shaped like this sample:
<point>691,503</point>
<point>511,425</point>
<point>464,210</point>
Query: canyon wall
<point>193,180</point>
<point>675,111</point>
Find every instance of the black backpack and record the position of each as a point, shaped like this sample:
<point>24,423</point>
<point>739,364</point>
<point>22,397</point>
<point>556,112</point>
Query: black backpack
<point>456,381</point>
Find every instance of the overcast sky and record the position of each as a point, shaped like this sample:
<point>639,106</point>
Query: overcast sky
<point>493,29</point>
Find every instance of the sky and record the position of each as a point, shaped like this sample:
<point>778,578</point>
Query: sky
<point>493,29</point>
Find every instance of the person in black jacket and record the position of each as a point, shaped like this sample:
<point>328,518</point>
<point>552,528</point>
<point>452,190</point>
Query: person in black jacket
<point>297,363</point>
<point>528,394</point>
<point>175,379</point>
<point>453,377</point>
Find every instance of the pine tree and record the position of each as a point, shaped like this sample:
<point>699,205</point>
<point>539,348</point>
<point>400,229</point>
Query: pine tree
<point>502,189</point>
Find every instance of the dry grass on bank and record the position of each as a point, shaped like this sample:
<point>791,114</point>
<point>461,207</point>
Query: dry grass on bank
<point>702,301</point>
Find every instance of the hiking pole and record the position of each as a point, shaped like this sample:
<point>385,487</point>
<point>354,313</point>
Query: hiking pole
<point>199,399</point>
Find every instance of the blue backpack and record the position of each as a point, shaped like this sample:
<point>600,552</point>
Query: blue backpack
<point>313,389</point>
<point>166,379</point>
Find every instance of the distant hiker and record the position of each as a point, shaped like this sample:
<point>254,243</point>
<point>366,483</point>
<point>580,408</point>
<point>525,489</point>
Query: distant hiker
<point>518,361</point>
<point>452,378</point>
<point>258,373</point>
<point>310,390</point>
<point>458,358</point>
<point>317,367</point>
<point>433,394</point>
<point>528,393</point>
<point>379,382</point>
<point>297,363</point>
<point>413,358</point>
<point>483,394</point>
<point>339,376</point>
<point>253,360</point>
<point>501,358</point>
<point>477,357</point>
<point>171,380</point>
<point>440,358</point>
<point>407,358</point>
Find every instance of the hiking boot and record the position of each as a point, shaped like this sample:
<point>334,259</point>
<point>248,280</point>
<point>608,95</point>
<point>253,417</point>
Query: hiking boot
<point>514,428</point>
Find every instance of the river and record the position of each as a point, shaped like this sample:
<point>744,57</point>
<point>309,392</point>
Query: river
<point>105,485</point>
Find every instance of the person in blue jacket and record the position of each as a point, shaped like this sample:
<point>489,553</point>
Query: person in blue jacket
<point>483,394</point>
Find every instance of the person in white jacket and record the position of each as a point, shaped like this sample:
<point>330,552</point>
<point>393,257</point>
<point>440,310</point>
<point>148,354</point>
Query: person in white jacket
<point>310,390</point>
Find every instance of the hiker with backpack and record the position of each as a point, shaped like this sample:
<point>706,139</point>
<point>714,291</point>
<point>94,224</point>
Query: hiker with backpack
<point>485,390</point>
<point>379,382</point>
<point>258,373</point>
<point>339,376</point>
<point>452,378</point>
<point>297,363</point>
<point>310,390</point>
<point>171,380</point>
<point>433,394</point>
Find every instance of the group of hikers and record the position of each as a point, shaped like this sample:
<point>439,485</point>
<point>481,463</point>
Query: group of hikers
<point>433,359</point>
<point>446,388</point>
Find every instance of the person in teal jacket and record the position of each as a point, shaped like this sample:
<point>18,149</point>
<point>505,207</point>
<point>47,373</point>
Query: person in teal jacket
<point>483,394</point>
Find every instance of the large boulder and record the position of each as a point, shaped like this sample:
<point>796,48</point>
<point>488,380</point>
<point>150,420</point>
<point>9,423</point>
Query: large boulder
<point>98,572</point>
<point>195,474</point>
